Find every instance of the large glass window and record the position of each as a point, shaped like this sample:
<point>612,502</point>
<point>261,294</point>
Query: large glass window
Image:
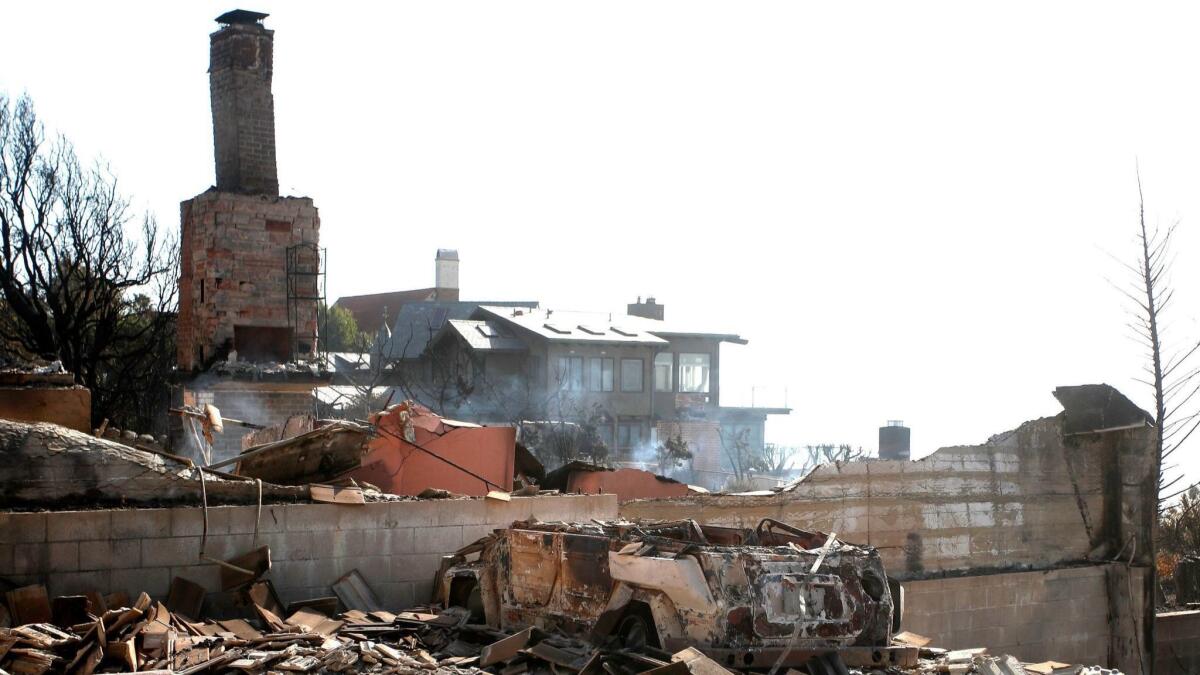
<point>600,374</point>
<point>629,435</point>
<point>663,366</point>
<point>631,374</point>
<point>693,373</point>
<point>568,373</point>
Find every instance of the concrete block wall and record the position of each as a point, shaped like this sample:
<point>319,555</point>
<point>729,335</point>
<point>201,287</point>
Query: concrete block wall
<point>1027,498</point>
<point>1060,615</point>
<point>396,546</point>
<point>1177,643</point>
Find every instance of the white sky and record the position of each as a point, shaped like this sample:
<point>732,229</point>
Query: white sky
<point>908,208</point>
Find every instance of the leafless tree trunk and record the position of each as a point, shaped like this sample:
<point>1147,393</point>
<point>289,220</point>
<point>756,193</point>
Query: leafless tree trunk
<point>1173,382</point>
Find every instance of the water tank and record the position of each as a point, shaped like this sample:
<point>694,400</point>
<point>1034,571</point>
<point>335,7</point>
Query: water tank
<point>894,440</point>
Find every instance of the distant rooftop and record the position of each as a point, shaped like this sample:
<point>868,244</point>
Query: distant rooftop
<point>607,327</point>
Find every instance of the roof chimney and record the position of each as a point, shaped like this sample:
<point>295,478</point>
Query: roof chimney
<point>446,275</point>
<point>243,110</point>
<point>647,310</point>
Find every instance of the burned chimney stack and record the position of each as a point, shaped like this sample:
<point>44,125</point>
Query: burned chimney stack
<point>243,109</point>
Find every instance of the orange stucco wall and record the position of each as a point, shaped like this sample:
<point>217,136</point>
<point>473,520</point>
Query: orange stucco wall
<point>626,484</point>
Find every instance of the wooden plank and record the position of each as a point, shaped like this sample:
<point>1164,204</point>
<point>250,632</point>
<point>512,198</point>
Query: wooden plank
<point>123,651</point>
<point>354,593</point>
<point>257,562</point>
<point>29,604</point>
<point>505,649</point>
<point>327,605</point>
<point>332,494</point>
<point>499,496</point>
<point>240,628</point>
<point>186,597</point>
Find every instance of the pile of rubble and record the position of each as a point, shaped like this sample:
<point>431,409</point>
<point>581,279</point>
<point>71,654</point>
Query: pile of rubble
<point>148,637</point>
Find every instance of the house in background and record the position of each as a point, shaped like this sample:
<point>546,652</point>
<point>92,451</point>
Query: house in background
<point>372,311</point>
<point>638,377</point>
<point>634,375</point>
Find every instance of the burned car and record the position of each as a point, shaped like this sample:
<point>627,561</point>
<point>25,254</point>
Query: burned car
<point>746,598</point>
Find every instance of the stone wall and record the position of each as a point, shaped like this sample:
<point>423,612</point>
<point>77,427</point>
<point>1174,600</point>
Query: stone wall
<point>396,546</point>
<point>1060,615</point>
<point>233,272</point>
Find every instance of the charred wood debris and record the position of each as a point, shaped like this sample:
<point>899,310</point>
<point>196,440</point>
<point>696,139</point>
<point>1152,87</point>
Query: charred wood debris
<point>246,629</point>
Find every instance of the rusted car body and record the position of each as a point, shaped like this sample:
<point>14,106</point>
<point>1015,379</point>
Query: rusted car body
<point>747,598</point>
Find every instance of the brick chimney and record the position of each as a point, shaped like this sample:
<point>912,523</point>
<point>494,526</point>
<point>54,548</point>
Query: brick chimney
<point>647,310</point>
<point>243,110</point>
<point>446,275</point>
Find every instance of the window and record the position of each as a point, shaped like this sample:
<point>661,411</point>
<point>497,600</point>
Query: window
<point>663,365</point>
<point>600,374</point>
<point>629,435</point>
<point>605,431</point>
<point>631,374</point>
<point>693,373</point>
<point>569,373</point>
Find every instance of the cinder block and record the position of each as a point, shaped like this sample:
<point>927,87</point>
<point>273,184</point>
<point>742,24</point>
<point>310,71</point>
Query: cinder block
<point>78,525</point>
<point>396,595</point>
<point>141,523</point>
<point>225,546</point>
<point>305,573</point>
<point>341,543</point>
<point>414,567</point>
<point>111,554</point>
<point>311,517</point>
<point>363,517</point>
<point>189,522</point>
<point>78,583</point>
<point>291,546</point>
<point>174,552</point>
<point>31,559</point>
<point>22,528</point>
<point>473,533</point>
<point>63,556</point>
<point>422,590</point>
<point>154,581</point>
<point>392,542</point>
<point>437,539</point>
<point>245,519</point>
<point>422,513</point>
<point>463,512</point>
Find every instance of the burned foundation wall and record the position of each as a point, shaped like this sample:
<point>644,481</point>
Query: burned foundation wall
<point>987,537</point>
<point>396,546</point>
<point>1061,614</point>
<point>1031,498</point>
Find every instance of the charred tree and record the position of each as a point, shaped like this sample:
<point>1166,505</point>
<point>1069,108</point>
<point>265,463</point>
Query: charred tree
<point>82,279</point>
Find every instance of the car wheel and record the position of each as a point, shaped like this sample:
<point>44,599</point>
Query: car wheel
<point>633,632</point>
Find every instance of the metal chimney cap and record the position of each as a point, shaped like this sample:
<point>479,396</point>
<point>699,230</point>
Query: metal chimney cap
<point>447,254</point>
<point>242,16</point>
